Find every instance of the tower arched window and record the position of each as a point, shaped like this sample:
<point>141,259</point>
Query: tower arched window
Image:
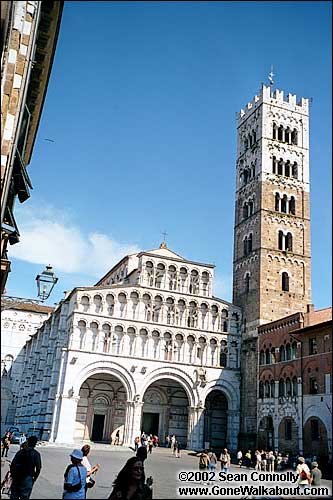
<point>285,282</point>
<point>289,242</point>
<point>245,211</point>
<point>274,131</point>
<point>249,243</point>
<point>274,161</point>
<point>277,202</point>
<point>292,206</point>
<point>245,246</point>
<point>247,283</point>
<point>284,204</point>
<point>280,167</point>
<point>250,207</point>
<point>295,171</point>
<point>294,137</point>
<point>280,133</point>
<point>280,240</point>
<point>288,135</point>
<point>287,168</point>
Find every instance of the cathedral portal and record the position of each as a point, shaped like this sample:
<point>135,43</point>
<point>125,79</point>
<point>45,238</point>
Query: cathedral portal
<point>165,411</point>
<point>101,409</point>
<point>215,420</point>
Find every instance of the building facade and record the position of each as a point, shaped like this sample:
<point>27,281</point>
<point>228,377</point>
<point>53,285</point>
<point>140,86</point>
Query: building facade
<point>295,384</point>
<point>29,32</point>
<point>148,348</point>
<point>18,323</point>
<point>271,270</point>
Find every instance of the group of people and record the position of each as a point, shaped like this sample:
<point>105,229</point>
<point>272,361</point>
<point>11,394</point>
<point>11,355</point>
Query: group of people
<point>208,460</point>
<point>148,441</point>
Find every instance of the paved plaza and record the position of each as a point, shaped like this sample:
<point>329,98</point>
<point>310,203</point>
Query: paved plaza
<point>161,465</point>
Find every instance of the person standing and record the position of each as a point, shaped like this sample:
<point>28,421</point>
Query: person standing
<point>22,440</point>
<point>225,460</point>
<point>303,472</point>
<point>116,441</point>
<point>316,474</point>
<point>90,470</point>
<point>203,460</point>
<point>258,460</point>
<point>239,458</point>
<point>270,461</point>
<point>178,448</point>
<point>75,477</point>
<point>25,469</point>
<point>212,460</point>
<point>130,482</point>
<point>6,443</point>
<point>136,443</point>
<point>150,445</point>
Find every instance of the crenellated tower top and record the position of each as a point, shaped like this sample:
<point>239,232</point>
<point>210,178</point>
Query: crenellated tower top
<point>276,97</point>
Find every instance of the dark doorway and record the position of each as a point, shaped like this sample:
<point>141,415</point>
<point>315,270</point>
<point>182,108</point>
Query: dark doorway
<point>98,428</point>
<point>150,423</point>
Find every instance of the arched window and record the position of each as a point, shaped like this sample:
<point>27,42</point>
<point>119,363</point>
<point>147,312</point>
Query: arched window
<point>282,390</point>
<point>280,240</point>
<point>294,137</point>
<point>287,168</point>
<point>274,131</point>
<point>261,390</point>
<point>277,202</point>
<point>288,387</point>
<point>282,353</point>
<point>285,282</point>
<point>280,167</point>
<point>245,246</point>
<point>294,350</point>
<point>288,135</point>
<point>292,206</point>
<point>267,357</point>
<point>284,204</point>
<point>274,164</point>
<point>280,133</point>
<point>267,389</point>
<point>273,355</point>
<point>223,358</point>
<point>288,352</point>
<point>245,211</point>
<point>289,242</point>
<point>247,283</point>
<point>294,384</point>
<point>225,326</point>
<point>249,243</point>
<point>250,207</point>
<point>295,170</point>
<point>262,358</point>
<point>272,389</point>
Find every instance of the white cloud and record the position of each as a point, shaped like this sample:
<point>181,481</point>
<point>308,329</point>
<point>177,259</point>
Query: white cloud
<point>50,238</point>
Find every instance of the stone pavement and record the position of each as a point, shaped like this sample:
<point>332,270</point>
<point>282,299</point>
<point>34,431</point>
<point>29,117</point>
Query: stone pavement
<point>161,465</point>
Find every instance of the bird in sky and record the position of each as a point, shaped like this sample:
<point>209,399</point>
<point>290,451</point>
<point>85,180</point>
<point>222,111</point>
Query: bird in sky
<point>49,140</point>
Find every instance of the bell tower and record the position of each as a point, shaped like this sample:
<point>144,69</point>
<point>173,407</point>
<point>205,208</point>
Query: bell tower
<point>271,267</point>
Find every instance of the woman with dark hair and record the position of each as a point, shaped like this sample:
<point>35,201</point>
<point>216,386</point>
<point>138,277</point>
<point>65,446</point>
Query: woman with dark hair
<point>130,483</point>
<point>90,470</point>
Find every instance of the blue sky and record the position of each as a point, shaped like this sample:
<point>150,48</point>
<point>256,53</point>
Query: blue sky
<point>142,106</point>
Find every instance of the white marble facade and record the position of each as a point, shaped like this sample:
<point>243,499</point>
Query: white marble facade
<point>149,348</point>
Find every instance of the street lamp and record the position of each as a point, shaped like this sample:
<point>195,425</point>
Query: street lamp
<point>46,282</point>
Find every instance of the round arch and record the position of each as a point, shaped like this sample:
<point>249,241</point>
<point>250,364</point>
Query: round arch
<point>174,374</point>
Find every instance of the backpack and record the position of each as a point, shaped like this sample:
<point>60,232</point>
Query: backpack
<point>203,462</point>
<point>75,486</point>
<point>20,467</point>
<point>303,474</point>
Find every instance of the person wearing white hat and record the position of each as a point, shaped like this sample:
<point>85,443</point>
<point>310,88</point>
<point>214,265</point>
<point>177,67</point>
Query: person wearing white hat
<point>75,477</point>
<point>303,472</point>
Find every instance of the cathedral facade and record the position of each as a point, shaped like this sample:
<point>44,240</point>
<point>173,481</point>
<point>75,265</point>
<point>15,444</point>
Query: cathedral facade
<point>148,348</point>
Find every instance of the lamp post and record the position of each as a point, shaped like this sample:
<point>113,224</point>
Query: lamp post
<point>302,399</point>
<point>45,283</point>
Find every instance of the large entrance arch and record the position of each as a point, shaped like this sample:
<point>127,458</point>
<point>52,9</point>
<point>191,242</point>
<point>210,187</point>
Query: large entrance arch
<point>315,439</point>
<point>216,420</point>
<point>101,409</point>
<point>165,410</point>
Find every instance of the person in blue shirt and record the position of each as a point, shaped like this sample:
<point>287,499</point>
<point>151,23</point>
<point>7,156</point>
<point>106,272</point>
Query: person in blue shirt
<point>75,477</point>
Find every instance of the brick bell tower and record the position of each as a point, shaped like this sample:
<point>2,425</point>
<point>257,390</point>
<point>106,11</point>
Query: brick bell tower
<point>271,267</point>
